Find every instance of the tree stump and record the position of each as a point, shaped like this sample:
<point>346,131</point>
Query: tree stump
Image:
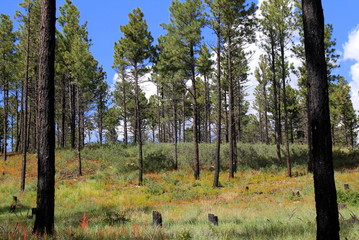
<point>296,193</point>
<point>346,186</point>
<point>157,218</point>
<point>13,205</point>
<point>213,219</point>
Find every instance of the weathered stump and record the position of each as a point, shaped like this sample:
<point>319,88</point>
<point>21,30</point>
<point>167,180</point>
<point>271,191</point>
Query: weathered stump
<point>296,193</point>
<point>13,205</point>
<point>157,218</point>
<point>213,219</point>
<point>346,186</point>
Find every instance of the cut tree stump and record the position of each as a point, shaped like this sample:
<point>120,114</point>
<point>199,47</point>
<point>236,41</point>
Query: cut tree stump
<point>157,218</point>
<point>13,205</point>
<point>296,193</point>
<point>213,219</point>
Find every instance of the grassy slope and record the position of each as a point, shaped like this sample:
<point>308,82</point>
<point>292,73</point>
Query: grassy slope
<point>107,204</point>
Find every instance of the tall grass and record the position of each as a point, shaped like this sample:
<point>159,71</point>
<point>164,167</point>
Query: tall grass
<point>106,203</point>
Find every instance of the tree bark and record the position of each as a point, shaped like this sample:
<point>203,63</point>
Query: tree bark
<point>286,128</point>
<point>25,107</point>
<point>275,96</point>
<point>195,118</point>
<point>44,222</point>
<point>138,127</point>
<point>231,123</point>
<point>324,184</point>
<point>217,163</point>
<point>79,134</point>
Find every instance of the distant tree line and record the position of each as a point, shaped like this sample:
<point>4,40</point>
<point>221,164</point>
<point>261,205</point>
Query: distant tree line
<point>202,86</point>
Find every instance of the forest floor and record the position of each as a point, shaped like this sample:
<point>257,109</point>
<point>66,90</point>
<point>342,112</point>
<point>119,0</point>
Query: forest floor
<point>106,203</point>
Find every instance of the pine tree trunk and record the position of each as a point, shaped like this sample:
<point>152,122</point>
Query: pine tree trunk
<point>79,134</point>
<point>286,128</point>
<point>175,164</point>
<point>125,134</point>
<point>138,128</point>
<point>63,113</point>
<point>72,115</point>
<point>25,107</point>
<point>217,163</point>
<point>266,114</point>
<point>324,184</point>
<point>195,118</point>
<point>231,126</point>
<point>6,93</point>
<point>275,97</point>
<point>44,222</point>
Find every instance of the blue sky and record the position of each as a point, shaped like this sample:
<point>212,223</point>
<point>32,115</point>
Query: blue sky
<point>104,18</point>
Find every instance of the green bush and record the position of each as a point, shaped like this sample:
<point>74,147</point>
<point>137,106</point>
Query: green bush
<point>348,197</point>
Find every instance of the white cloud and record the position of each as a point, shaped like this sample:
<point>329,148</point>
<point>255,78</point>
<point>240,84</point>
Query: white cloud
<point>351,48</point>
<point>148,87</point>
<point>351,52</point>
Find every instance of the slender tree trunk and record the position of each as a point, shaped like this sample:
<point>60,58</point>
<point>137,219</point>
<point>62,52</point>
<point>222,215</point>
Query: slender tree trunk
<point>275,97</point>
<point>79,134</point>
<point>24,123</point>
<point>125,134</point>
<point>175,165</point>
<point>195,118</point>
<point>63,113</point>
<point>138,127</point>
<point>206,111</point>
<point>184,117</point>
<point>226,115</point>
<point>44,222</point>
<point>266,114</point>
<point>217,163</point>
<point>231,126</point>
<point>324,184</point>
<point>72,114</point>
<point>286,128</point>
<point>6,93</point>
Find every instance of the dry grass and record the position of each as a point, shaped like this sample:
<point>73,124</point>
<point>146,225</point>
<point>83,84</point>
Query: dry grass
<point>107,204</point>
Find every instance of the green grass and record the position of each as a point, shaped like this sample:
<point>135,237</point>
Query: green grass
<point>106,203</point>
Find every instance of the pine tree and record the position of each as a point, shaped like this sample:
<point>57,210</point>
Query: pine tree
<point>45,209</point>
<point>7,60</point>
<point>324,184</point>
<point>135,47</point>
<point>186,21</point>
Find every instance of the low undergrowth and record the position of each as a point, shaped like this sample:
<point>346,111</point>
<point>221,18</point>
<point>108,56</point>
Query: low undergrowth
<point>105,203</point>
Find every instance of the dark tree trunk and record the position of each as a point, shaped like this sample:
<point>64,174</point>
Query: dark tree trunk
<point>206,111</point>
<point>63,113</point>
<point>6,96</point>
<point>79,133</point>
<point>231,123</point>
<point>72,115</point>
<point>44,222</point>
<point>266,114</point>
<point>324,184</point>
<point>286,128</point>
<point>226,115</point>
<point>217,163</point>
<point>184,117</point>
<point>138,128</point>
<point>195,118</point>
<point>175,137</point>
<point>275,97</point>
<point>125,134</point>
<point>25,98</point>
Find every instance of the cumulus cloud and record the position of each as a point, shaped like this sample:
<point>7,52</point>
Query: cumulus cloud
<point>351,52</point>
<point>148,87</point>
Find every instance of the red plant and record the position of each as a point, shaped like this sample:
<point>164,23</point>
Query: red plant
<point>84,222</point>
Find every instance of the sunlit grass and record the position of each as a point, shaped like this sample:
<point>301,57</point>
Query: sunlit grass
<point>106,203</point>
